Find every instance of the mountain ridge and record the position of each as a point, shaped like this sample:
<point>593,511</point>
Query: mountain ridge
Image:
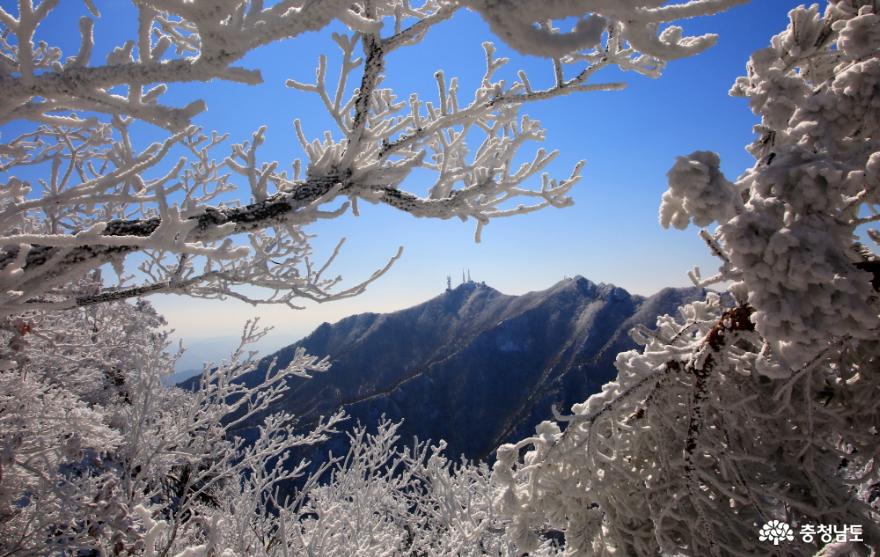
<point>472,366</point>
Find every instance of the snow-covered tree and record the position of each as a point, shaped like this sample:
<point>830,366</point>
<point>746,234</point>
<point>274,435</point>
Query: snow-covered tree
<point>385,500</point>
<point>104,197</point>
<point>761,404</point>
<point>91,440</point>
<point>97,456</point>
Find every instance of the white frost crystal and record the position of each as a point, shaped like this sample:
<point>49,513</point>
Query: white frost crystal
<point>698,191</point>
<point>758,407</point>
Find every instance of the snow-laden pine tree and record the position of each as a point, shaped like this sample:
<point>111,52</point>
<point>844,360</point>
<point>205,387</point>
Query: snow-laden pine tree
<point>96,456</point>
<point>760,404</point>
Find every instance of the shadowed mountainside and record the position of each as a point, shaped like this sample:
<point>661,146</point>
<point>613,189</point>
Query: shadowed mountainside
<point>473,366</point>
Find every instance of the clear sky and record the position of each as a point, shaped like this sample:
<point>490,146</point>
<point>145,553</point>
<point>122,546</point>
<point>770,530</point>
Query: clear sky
<point>628,138</point>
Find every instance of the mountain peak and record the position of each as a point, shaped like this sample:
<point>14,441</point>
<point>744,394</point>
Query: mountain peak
<point>587,288</point>
<point>472,366</point>
<point>465,291</point>
<point>470,286</point>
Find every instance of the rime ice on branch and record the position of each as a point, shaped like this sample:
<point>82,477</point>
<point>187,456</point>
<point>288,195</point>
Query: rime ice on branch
<point>96,456</point>
<point>106,197</point>
<point>760,405</point>
<point>93,445</point>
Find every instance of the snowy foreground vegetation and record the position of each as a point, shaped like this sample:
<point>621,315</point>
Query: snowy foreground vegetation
<point>757,405</point>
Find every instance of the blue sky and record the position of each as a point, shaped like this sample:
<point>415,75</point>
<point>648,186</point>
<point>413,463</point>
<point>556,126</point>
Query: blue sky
<point>629,140</point>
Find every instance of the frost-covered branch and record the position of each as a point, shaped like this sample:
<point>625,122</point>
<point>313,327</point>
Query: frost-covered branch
<point>103,197</point>
<point>693,447</point>
<point>757,405</point>
<point>99,455</point>
<point>788,226</point>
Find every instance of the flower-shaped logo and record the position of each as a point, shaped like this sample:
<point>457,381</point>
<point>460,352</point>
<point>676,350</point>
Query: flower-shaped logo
<point>776,531</point>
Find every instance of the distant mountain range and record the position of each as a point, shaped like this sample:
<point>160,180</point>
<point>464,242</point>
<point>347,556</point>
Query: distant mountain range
<point>208,350</point>
<point>473,366</point>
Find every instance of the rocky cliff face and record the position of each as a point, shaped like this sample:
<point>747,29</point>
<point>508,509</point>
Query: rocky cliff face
<point>473,366</point>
